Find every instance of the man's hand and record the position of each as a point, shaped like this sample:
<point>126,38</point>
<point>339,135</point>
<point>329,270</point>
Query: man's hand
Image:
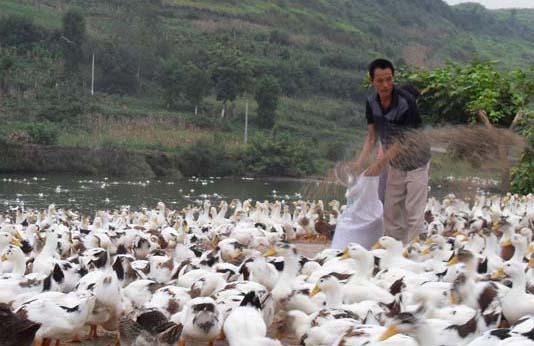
<point>380,154</point>
<point>375,169</point>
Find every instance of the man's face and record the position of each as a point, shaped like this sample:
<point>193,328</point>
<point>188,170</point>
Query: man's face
<point>383,81</point>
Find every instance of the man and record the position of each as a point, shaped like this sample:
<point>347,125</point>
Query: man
<point>392,116</point>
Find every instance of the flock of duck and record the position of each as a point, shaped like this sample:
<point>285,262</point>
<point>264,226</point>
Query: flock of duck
<point>203,274</point>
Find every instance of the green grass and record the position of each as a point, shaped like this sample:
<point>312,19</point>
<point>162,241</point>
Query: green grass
<point>43,15</point>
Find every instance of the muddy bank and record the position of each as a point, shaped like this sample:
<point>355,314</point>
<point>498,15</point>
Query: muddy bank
<point>115,162</point>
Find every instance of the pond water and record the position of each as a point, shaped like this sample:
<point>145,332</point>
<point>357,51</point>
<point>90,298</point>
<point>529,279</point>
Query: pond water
<point>90,193</point>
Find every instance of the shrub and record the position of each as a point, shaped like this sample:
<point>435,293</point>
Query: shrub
<point>282,156</point>
<point>279,37</point>
<point>522,175</point>
<point>207,157</point>
<point>43,133</point>
<point>21,32</point>
<point>455,93</point>
<point>62,103</point>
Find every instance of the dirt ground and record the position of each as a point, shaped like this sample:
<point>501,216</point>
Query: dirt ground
<point>107,339</point>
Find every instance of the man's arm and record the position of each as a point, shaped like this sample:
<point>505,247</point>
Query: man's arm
<point>376,167</point>
<point>368,145</point>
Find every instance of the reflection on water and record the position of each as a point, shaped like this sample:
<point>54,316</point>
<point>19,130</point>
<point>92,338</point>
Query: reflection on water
<point>108,193</point>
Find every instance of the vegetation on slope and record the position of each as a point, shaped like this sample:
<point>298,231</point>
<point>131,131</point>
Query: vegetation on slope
<point>166,71</point>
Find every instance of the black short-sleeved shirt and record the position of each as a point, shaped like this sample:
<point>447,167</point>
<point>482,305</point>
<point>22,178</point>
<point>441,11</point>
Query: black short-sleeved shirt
<point>392,125</point>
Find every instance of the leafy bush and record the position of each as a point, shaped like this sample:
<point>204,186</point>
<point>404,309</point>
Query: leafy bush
<point>207,157</point>
<point>63,103</point>
<point>281,156</point>
<point>456,93</point>
<point>279,37</point>
<point>43,133</point>
<point>21,32</point>
<point>522,175</point>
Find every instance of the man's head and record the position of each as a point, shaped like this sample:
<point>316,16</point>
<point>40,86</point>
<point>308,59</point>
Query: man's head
<point>382,75</point>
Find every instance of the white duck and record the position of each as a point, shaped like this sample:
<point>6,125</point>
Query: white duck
<point>359,287</point>
<point>202,321</point>
<point>432,332</point>
<point>59,318</point>
<point>516,303</point>
<point>245,326</point>
<point>169,300</point>
<point>13,257</point>
<point>393,258</point>
<point>45,260</point>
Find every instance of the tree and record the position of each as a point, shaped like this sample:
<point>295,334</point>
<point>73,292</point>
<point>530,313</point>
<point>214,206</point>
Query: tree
<point>73,38</point>
<point>196,85</point>
<point>146,36</point>
<point>267,96</point>
<point>230,75</point>
<point>117,66</point>
<point>172,82</point>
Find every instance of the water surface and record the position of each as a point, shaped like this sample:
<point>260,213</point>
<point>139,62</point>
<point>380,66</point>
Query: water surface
<point>90,193</point>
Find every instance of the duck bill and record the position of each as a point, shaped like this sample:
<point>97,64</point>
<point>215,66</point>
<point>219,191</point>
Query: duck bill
<point>270,252</point>
<point>15,242</point>
<point>314,292</point>
<point>377,246</point>
<point>531,263</point>
<point>3,258</point>
<point>498,275</point>
<point>507,243</point>
<point>453,261</point>
<point>392,330</point>
<point>345,255</point>
<point>19,235</point>
<point>235,256</point>
<point>215,241</point>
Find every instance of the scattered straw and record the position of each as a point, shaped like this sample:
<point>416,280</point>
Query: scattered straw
<point>485,148</point>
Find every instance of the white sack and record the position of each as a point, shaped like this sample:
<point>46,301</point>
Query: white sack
<point>362,220</point>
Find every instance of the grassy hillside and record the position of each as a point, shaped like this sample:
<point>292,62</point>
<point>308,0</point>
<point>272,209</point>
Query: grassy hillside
<point>316,49</point>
